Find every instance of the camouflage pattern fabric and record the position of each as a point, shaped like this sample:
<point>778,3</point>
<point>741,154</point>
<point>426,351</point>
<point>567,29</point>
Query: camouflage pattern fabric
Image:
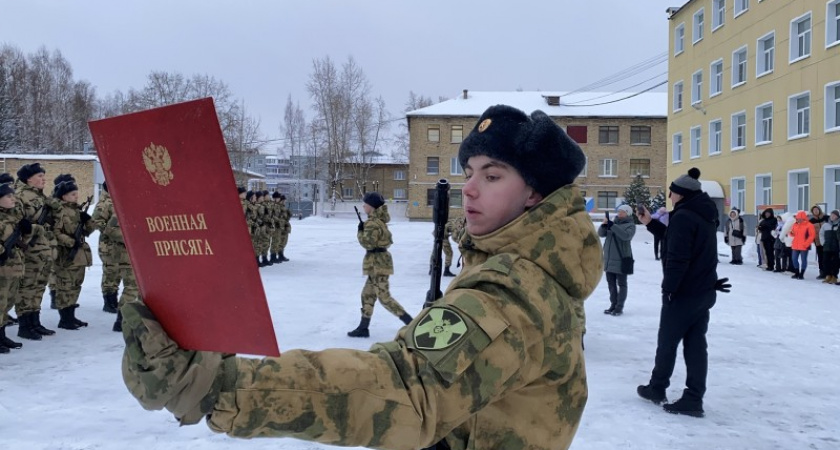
<point>12,269</point>
<point>376,287</point>
<point>70,273</point>
<point>111,277</point>
<point>496,363</point>
<point>122,261</point>
<point>286,215</point>
<point>376,235</point>
<point>41,253</point>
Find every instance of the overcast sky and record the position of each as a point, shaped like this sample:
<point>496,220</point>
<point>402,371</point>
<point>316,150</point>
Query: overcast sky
<point>264,49</point>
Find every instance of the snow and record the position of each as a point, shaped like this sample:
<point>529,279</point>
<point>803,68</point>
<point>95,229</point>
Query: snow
<point>774,356</point>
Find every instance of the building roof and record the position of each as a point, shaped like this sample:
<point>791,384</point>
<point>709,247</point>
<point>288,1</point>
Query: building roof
<point>580,104</point>
<point>50,157</point>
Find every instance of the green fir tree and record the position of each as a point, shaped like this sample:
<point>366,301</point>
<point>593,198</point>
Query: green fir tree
<point>637,194</point>
<point>658,201</point>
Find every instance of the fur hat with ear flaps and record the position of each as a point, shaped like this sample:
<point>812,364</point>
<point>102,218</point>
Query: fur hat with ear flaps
<point>63,188</point>
<point>542,153</point>
<point>28,170</point>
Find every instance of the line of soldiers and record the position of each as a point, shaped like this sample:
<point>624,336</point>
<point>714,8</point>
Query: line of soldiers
<point>268,222</point>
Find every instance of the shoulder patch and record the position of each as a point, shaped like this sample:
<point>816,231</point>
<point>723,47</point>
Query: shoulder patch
<point>440,329</point>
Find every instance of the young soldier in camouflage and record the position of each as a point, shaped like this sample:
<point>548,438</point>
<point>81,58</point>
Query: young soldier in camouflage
<point>110,266</point>
<point>72,225</point>
<point>13,233</point>
<point>375,238</point>
<point>496,363</point>
<point>286,215</point>
<point>120,258</point>
<point>279,226</point>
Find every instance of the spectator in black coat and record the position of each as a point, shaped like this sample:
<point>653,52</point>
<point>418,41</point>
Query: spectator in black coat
<point>688,293</point>
<point>766,226</point>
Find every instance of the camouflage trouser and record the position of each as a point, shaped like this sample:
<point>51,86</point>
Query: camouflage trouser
<point>255,241</point>
<point>276,239</point>
<point>32,285</point>
<point>8,293</point>
<point>376,286</point>
<point>284,239</point>
<point>69,281</point>
<point>447,253</point>
<point>130,291</point>
<point>110,269</point>
<point>265,241</point>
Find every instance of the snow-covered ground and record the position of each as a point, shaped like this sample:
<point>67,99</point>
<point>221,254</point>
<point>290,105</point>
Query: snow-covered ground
<point>774,356</point>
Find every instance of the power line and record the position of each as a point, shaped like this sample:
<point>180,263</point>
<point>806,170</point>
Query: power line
<point>620,90</point>
<point>624,73</point>
<point>624,98</point>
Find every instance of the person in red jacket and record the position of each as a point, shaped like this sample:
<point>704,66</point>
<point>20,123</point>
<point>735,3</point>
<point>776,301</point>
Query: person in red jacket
<point>803,235</point>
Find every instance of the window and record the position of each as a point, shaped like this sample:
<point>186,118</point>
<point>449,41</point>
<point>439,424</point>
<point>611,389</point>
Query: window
<point>456,199</point>
<point>455,166</point>
<point>697,30</point>
<point>718,13</point>
<point>800,37</point>
<point>583,194</point>
<point>739,66</point>
<point>676,148</point>
<point>696,141</point>
<point>640,167</point>
<point>739,193</point>
<point>679,39</point>
<point>430,197</point>
<point>832,107</point>
<point>715,136</point>
<point>639,135</point>
<point>696,87</point>
<point>765,54</point>
<point>399,194</point>
<point>799,193</point>
<point>432,165</point>
<point>607,199</point>
<point>741,6</point>
<point>836,203</point>
<point>764,124</point>
<point>716,78</point>
<point>347,193</point>
<point>678,96</point>
<point>585,166</point>
<point>457,134</point>
<point>764,190</point>
<point>433,133</point>
<point>609,168</point>
<point>607,135</point>
<point>577,133</point>
<point>832,23</point>
<point>799,115</point>
<point>739,130</point>
<point>399,175</point>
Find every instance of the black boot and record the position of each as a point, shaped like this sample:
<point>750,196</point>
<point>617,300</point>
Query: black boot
<point>264,262</point>
<point>26,328</point>
<point>78,322</point>
<point>275,258</point>
<point>795,275</point>
<point>4,349</point>
<point>447,273</point>
<point>610,309</point>
<point>67,321</point>
<point>655,395</point>
<point>619,309</point>
<point>11,321</point>
<point>110,305</point>
<point>52,300</point>
<point>118,323</point>
<point>283,256</point>
<point>686,406</point>
<point>6,342</point>
<point>36,325</point>
<point>406,319</point>
<point>361,330</point>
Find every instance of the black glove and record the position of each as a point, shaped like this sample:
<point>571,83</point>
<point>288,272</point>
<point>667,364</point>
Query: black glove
<point>726,240</point>
<point>666,298</point>
<point>84,217</point>
<point>361,226</point>
<point>25,226</point>
<point>722,284</point>
<point>609,224</point>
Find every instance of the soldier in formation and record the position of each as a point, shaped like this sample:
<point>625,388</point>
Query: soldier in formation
<point>110,265</point>
<point>450,230</point>
<point>118,256</point>
<point>72,225</point>
<point>477,369</point>
<point>14,231</point>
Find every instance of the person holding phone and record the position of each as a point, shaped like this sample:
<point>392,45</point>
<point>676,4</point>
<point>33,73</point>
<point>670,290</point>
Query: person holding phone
<point>618,235</point>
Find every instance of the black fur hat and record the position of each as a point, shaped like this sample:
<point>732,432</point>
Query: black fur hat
<point>105,186</point>
<point>7,188</point>
<point>249,195</point>
<point>265,193</point>
<point>374,199</point>
<point>28,170</point>
<point>65,187</point>
<point>276,195</point>
<point>258,194</point>
<point>63,177</point>
<point>542,153</point>
<point>240,189</point>
<point>6,178</point>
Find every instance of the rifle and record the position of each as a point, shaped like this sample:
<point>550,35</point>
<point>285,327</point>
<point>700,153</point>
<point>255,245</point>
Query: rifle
<point>440,215</point>
<point>359,215</point>
<point>77,235</point>
<point>9,245</point>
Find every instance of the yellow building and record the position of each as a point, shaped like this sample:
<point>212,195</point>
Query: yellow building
<point>754,100</point>
<point>622,134</point>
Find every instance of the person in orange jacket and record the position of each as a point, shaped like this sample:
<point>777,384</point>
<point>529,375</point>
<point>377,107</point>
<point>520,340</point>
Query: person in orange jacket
<point>803,235</point>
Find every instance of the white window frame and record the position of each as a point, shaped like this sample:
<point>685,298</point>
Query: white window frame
<point>738,193</point>
<point>736,128</point>
<point>832,23</point>
<point>679,96</point>
<point>698,21</point>
<point>715,137</point>
<point>761,55</point>
<point>608,163</point>
<point>737,63</point>
<point>398,191</point>
<point>679,39</point>
<point>697,87</point>
<point>806,37</point>
<point>399,175</point>
<point>696,142</point>
<point>796,190</point>
<point>716,78</point>
<point>741,6</point>
<point>795,116</point>
<point>832,187</point>
<point>832,107</point>
<point>760,122</point>
<point>582,173</point>
<point>718,14</point>
<point>762,188</point>
<point>455,166</point>
<point>676,148</point>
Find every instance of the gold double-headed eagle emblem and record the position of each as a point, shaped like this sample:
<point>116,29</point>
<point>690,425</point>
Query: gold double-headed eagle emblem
<point>158,163</point>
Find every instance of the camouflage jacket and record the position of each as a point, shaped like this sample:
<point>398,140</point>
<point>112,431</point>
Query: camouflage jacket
<point>115,236</point>
<point>13,265</point>
<point>495,364</point>
<point>376,238</point>
<point>33,203</point>
<point>102,214</point>
<point>66,223</point>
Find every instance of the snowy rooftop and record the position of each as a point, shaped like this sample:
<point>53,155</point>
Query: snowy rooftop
<point>580,104</point>
<point>50,157</point>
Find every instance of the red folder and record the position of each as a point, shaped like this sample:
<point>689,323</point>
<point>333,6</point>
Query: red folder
<point>174,193</point>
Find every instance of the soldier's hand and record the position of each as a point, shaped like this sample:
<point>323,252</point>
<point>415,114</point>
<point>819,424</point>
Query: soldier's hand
<point>25,226</point>
<point>159,374</point>
<point>361,226</point>
<point>84,217</point>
